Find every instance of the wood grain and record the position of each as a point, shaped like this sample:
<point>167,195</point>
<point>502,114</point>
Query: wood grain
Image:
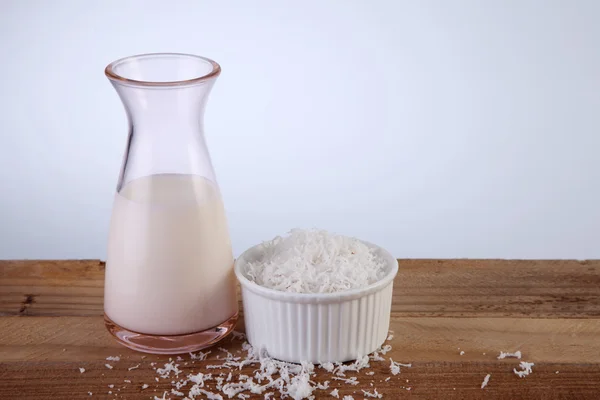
<point>423,288</point>
<point>52,325</point>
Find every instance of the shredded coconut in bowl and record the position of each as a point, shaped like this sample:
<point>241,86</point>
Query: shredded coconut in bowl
<point>315,261</point>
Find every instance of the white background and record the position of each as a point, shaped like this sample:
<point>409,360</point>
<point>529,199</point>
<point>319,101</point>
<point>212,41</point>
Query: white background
<point>433,128</point>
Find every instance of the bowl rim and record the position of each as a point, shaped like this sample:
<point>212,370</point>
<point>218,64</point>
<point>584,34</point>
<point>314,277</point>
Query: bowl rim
<point>335,297</point>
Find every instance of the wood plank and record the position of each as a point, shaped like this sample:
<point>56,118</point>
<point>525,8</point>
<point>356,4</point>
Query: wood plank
<point>423,288</point>
<point>41,357</point>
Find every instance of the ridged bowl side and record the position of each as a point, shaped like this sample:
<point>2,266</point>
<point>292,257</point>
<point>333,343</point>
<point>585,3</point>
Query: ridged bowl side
<point>334,332</point>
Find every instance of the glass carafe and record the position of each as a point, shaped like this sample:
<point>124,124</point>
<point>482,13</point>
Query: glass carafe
<point>169,285</point>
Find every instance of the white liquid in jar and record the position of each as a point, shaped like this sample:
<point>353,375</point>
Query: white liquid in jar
<point>169,269</point>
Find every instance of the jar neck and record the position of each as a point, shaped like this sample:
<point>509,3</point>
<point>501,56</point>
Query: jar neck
<point>166,131</point>
<point>165,108</point>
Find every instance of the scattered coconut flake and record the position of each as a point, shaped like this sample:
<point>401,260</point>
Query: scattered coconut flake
<point>177,393</point>
<point>485,380</point>
<point>209,395</point>
<point>356,366</point>
<point>115,358</point>
<point>328,366</point>
<point>108,366</point>
<point>525,369</point>
<point>168,368</point>
<point>161,398</point>
<point>503,355</point>
<point>145,386</point>
<point>374,394</point>
<point>237,335</point>
<point>462,353</point>
<point>556,372</point>
<point>390,337</point>
<point>323,386</point>
<point>90,393</point>
<point>348,397</point>
<point>199,379</point>
<point>387,379</point>
<point>335,393</point>
<point>269,395</point>
<point>385,349</point>
<point>351,381</point>
<point>395,367</point>
<point>81,370</point>
<point>315,261</point>
<point>111,386</point>
<point>134,367</point>
<point>126,381</point>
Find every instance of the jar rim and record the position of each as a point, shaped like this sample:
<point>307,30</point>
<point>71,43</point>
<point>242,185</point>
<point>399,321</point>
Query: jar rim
<point>110,70</point>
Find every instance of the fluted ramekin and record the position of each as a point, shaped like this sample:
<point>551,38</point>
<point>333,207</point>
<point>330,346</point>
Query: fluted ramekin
<point>328,327</point>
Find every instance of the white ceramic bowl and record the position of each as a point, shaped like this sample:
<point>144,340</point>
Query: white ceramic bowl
<point>329,327</point>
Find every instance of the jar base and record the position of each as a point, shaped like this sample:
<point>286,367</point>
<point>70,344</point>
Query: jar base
<point>170,344</point>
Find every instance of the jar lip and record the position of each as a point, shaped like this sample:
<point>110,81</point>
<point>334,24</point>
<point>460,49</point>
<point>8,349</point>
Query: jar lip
<point>111,74</point>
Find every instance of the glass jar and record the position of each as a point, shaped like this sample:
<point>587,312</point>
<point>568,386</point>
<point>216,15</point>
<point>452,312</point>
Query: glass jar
<point>169,285</point>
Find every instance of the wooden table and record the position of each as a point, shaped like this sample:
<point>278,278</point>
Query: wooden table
<point>51,325</point>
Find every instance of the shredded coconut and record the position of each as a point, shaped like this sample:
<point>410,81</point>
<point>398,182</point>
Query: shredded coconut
<point>485,380</point>
<point>200,356</point>
<point>161,398</point>
<point>209,395</point>
<point>356,366</point>
<point>134,367</point>
<point>166,371</point>
<point>329,367</point>
<point>395,367</point>
<point>374,394</point>
<point>315,261</point>
<point>115,358</point>
<point>351,381</point>
<point>323,386</point>
<point>525,369</point>
<point>503,355</point>
<point>462,353</point>
<point>81,370</point>
<point>269,378</point>
<point>108,366</point>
